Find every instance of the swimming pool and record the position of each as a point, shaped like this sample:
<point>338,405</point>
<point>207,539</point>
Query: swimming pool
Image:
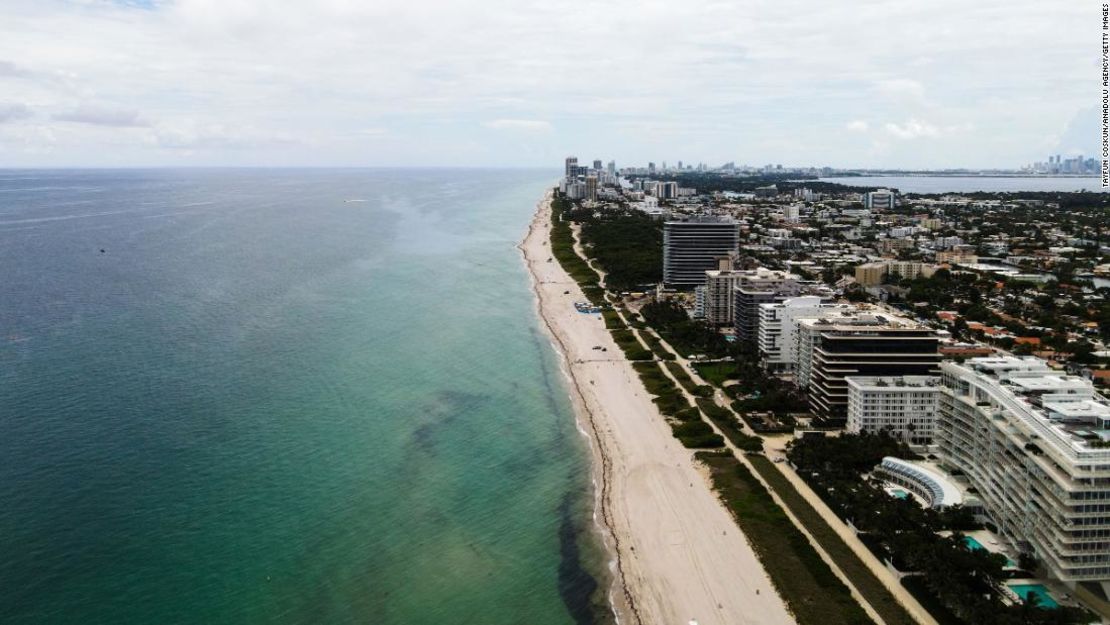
<point>974,544</point>
<point>1025,590</point>
<point>899,493</point>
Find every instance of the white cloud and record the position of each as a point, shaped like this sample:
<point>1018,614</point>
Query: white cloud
<point>102,116</point>
<point>900,88</point>
<point>10,112</point>
<point>190,135</point>
<point>720,87</point>
<point>11,70</point>
<point>912,129</point>
<point>525,125</point>
<point>857,125</point>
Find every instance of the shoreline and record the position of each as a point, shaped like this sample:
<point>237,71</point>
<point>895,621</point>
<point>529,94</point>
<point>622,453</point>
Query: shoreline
<point>620,599</point>
<point>676,553</point>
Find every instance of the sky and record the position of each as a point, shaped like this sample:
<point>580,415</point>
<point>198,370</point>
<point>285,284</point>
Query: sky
<point>860,83</point>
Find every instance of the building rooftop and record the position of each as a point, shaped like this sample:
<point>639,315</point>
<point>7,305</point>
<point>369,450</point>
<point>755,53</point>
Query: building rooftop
<point>1059,409</point>
<point>892,382</point>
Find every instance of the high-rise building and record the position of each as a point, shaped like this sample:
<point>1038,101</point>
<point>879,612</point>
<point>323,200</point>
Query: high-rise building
<point>651,168</point>
<point>692,247</point>
<point>1035,445</point>
<point>766,286</point>
<point>597,165</point>
<point>778,326</point>
<point>571,167</point>
<point>612,168</point>
<point>902,406</point>
<point>881,199</point>
<point>833,348</point>
<point>665,190</point>
<point>717,292</point>
<point>591,188</point>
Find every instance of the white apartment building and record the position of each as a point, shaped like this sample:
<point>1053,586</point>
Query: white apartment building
<point>778,326</point>
<point>880,199</point>
<point>903,406</point>
<point>1035,445</point>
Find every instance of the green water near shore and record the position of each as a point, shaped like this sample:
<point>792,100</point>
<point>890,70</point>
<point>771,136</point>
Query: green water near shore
<point>263,403</point>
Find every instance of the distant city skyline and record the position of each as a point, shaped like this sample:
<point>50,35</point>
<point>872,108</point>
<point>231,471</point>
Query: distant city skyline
<point>104,83</point>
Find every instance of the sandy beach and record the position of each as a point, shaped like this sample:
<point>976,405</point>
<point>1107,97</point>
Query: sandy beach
<point>678,555</point>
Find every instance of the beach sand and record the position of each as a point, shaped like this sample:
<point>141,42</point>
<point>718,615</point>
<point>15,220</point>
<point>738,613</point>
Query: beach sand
<point>678,554</point>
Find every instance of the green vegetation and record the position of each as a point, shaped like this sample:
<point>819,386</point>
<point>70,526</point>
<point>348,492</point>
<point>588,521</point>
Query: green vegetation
<point>728,424</point>
<point>697,390</point>
<point>631,347</point>
<point>655,381</point>
<point>562,248</point>
<point>627,245</point>
<point>850,564</point>
<point>612,319</point>
<point>685,420</point>
<point>717,373</point>
<point>656,346</point>
<point>814,594</point>
<point>697,434</point>
<point>755,390</point>
<point>967,582</point>
<point>688,336</point>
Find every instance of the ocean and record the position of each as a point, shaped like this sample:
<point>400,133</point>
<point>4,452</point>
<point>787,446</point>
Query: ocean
<point>283,397</point>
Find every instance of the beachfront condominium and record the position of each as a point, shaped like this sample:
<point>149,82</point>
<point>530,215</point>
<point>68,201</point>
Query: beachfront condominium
<point>591,187</point>
<point>837,346</point>
<point>1035,445</point>
<point>571,167</point>
<point>903,406</point>
<point>693,246</point>
<point>767,286</point>
<point>717,291</point>
<point>778,324</point>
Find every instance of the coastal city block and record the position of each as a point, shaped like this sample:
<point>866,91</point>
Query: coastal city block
<point>920,375</point>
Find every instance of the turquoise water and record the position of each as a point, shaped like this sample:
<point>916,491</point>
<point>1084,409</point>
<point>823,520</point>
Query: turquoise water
<point>237,397</point>
<point>901,494</point>
<point>1024,590</point>
<point>974,544</point>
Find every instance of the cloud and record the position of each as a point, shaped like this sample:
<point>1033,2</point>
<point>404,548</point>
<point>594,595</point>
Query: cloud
<point>912,129</point>
<point>11,70</point>
<point>857,125</point>
<point>99,116</point>
<point>900,88</point>
<point>440,79</point>
<point>523,125</point>
<point>1080,137</point>
<point>191,135</point>
<point>13,112</point>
